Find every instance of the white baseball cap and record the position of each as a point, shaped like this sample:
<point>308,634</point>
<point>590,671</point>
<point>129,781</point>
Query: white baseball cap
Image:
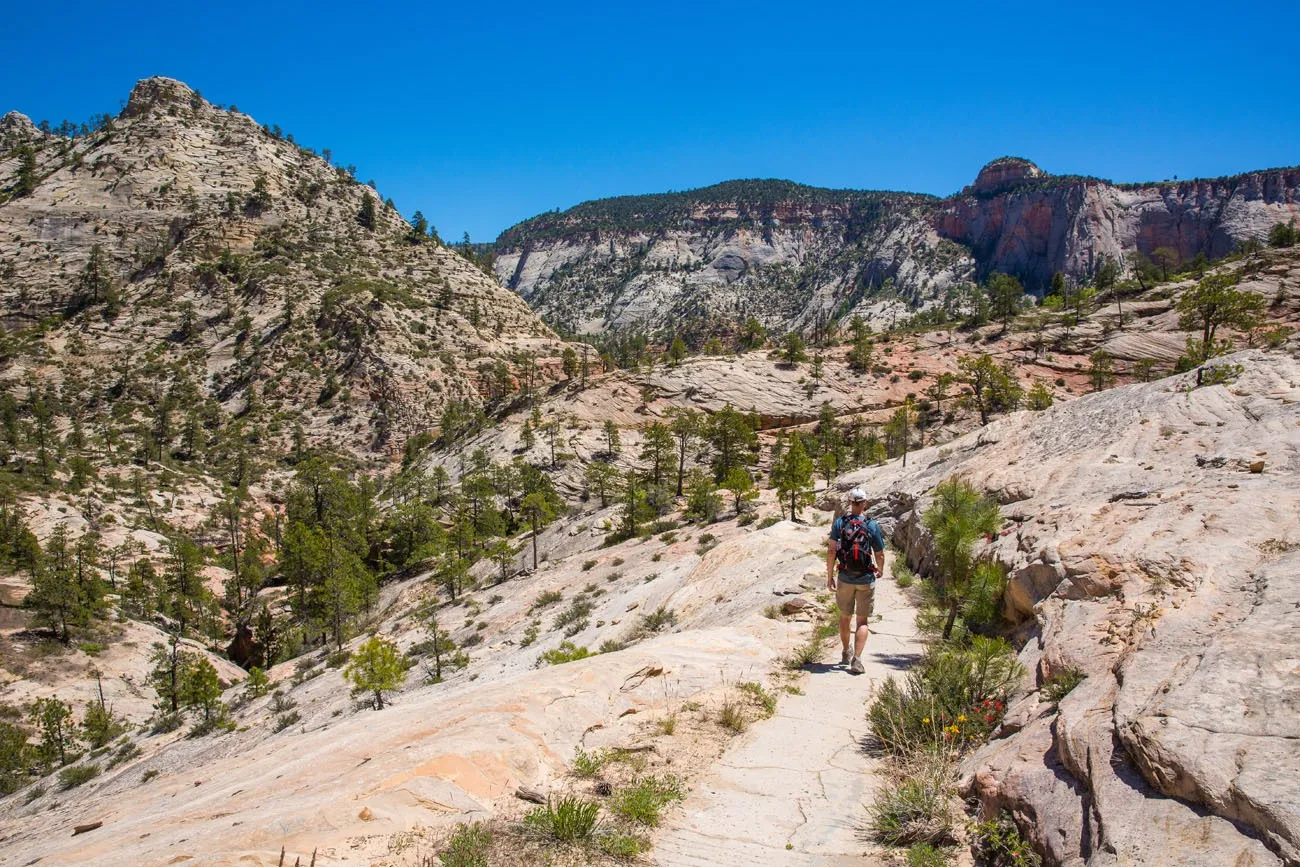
<point>857,494</point>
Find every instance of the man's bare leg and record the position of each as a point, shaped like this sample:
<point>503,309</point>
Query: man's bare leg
<point>846,622</point>
<point>859,640</point>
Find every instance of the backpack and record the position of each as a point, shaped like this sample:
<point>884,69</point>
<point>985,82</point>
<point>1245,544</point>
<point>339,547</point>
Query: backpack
<point>855,553</point>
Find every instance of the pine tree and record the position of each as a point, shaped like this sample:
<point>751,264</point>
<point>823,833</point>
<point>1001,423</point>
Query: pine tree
<point>957,518</point>
<point>702,500</point>
<point>794,480</point>
<point>539,511</point>
<point>602,481</point>
<point>613,445</point>
<point>366,215</point>
<point>376,668</point>
<point>792,349</point>
<point>57,732</point>
<point>201,688</point>
<point>741,486</point>
<point>27,176</point>
<point>687,425</point>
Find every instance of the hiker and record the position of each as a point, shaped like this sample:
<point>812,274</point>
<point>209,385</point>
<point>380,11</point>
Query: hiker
<point>857,547</point>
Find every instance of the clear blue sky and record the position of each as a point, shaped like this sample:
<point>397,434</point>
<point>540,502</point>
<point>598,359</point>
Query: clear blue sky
<point>484,114</point>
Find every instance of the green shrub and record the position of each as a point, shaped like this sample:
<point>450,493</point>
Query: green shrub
<point>284,720</point>
<point>566,820</point>
<point>530,634</point>
<point>149,775</point>
<point>338,658</point>
<point>997,843</point>
<point>550,597</point>
<point>566,652</point>
<point>1059,685</point>
<point>659,619</point>
<point>588,565</point>
<point>618,845</point>
<point>587,766</point>
<point>467,846</point>
<point>125,751</point>
<point>75,775</point>
<point>168,722</point>
<point>926,855</point>
<point>953,697</point>
<point>914,808</point>
<point>573,619</point>
<point>611,645</point>
<point>768,521</point>
<point>643,800</point>
<point>33,793</point>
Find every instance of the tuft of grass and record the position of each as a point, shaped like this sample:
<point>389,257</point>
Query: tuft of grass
<point>804,655</point>
<point>643,800</point>
<point>903,576</point>
<point>588,565</point>
<point>467,846</point>
<point>35,792</point>
<point>731,714</point>
<point>768,521</point>
<point>587,766</point>
<point>149,775</point>
<point>667,725</point>
<point>772,612</point>
<point>569,819</point>
<point>764,699</point>
<point>76,775</point>
<point>530,634</point>
<point>914,807</point>
<point>566,652</point>
<point>1059,685</point>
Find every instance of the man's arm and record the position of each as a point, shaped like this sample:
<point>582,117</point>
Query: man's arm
<point>880,562</point>
<point>831,547</point>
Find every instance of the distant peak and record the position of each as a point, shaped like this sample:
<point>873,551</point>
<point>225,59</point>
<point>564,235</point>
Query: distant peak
<point>1003,173</point>
<point>160,92</point>
<point>17,125</point>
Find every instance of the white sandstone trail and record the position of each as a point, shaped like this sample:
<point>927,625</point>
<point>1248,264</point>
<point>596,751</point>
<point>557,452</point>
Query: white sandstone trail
<point>793,789</point>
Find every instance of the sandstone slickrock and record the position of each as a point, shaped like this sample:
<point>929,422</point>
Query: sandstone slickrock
<point>440,753</point>
<point>1180,607</point>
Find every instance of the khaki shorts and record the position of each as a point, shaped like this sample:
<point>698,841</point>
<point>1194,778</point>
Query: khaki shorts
<point>855,597</point>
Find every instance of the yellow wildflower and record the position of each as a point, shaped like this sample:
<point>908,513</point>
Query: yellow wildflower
<point>961,717</point>
<point>926,720</point>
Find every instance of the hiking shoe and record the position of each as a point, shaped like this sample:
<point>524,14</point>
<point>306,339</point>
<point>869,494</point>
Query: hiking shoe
<point>845,656</point>
<point>856,666</point>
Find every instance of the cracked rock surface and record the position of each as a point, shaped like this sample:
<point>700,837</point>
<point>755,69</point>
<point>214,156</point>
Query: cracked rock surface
<point>792,790</point>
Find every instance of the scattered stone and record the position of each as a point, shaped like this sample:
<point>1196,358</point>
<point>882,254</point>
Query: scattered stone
<point>796,605</point>
<point>638,677</point>
<point>366,815</point>
<point>81,829</point>
<point>531,794</point>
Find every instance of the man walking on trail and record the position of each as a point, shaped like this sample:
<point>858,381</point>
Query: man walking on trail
<point>857,547</point>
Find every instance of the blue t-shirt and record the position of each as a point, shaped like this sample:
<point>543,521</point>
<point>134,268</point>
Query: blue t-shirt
<point>875,540</point>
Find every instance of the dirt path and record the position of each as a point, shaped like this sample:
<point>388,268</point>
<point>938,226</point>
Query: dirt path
<point>792,790</point>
